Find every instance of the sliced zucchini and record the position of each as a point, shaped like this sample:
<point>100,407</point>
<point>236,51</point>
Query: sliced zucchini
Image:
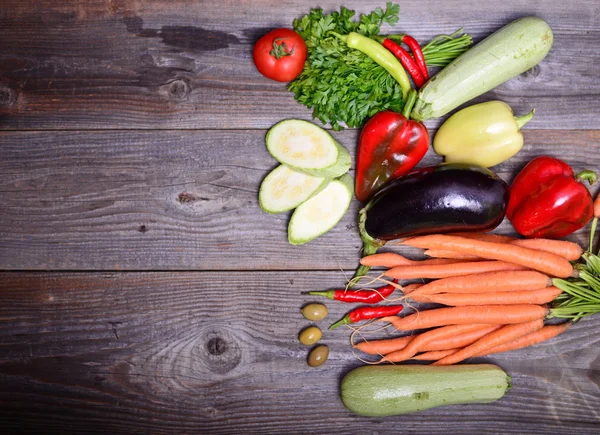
<point>284,189</point>
<point>307,148</point>
<point>322,212</point>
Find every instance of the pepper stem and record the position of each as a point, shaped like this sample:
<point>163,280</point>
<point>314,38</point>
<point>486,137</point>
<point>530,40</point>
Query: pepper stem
<point>328,294</point>
<point>370,245</point>
<point>589,176</point>
<point>343,38</point>
<point>522,120</point>
<point>411,99</point>
<point>396,37</point>
<point>345,321</point>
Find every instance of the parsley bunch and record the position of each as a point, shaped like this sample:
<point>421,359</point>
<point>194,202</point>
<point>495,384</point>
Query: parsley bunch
<point>340,84</point>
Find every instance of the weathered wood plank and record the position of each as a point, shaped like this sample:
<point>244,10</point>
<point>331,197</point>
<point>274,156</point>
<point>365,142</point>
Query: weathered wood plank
<point>180,64</point>
<point>178,200</point>
<point>218,353</point>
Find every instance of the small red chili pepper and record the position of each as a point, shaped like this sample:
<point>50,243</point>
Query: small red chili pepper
<point>418,54</point>
<point>407,62</point>
<point>548,200</point>
<point>597,207</point>
<point>361,296</point>
<point>366,313</point>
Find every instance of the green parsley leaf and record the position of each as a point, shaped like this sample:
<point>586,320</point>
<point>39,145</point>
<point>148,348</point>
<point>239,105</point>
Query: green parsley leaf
<point>344,86</point>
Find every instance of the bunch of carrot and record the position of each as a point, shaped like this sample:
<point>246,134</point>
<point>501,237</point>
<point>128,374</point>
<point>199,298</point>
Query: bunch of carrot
<point>495,288</point>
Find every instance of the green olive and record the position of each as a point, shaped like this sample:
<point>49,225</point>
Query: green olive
<point>310,336</point>
<point>315,311</point>
<point>318,356</point>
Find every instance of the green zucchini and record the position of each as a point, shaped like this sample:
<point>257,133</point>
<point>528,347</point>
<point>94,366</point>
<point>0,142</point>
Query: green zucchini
<point>510,51</point>
<point>284,189</point>
<point>322,212</point>
<point>307,148</point>
<point>377,391</point>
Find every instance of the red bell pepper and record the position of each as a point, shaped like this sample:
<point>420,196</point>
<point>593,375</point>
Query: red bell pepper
<point>390,146</point>
<point>548,200</point>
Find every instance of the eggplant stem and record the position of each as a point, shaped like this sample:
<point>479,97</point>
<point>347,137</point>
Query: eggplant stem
<point>370,246</point>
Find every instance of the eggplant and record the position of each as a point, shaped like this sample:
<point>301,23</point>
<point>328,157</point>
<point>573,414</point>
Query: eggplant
<point>450,197</point>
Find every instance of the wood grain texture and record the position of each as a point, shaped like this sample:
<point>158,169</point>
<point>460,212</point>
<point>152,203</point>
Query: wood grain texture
<point>181,65</point>
<point>134,200</point>
<point>218,353</point>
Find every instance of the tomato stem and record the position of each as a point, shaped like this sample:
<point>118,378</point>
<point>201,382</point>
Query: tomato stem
<point>280,50</point>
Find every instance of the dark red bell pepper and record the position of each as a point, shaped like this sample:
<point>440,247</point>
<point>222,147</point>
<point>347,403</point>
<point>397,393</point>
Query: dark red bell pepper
<point>390,145</point>
<point>548,200</point>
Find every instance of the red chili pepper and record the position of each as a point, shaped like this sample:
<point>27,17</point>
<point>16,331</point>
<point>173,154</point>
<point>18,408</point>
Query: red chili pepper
<point>547,200</point>
<point>407,62</point>
<point>418,54</point>
<point>362,296</point>
<point>390,146</point>
<point>597,207</point>
<point>366,313</point>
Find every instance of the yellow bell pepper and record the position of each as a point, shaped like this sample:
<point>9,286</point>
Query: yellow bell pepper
<point>484,134</point>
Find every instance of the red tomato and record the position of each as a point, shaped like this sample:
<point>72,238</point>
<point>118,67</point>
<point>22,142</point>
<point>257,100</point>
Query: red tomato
<point>280,55</point>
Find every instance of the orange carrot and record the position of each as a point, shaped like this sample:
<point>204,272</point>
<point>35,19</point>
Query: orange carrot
<point>436,253</point>
<point>503,335</point>
<point>386,259</point>
<point>462,340</point>
<point>542,261</point>
<point>490,314</point>
<point>488,282</point>
<point>568,250</point>
<point>411,288</point>
<point>385,346</point>
<point>546,333</point>
<point>417,344</point>
<point>391,259</point>
<point>434,355</point>
<point>539,297</point>
<point>487,237</point>
<point>597,207</point>
<point>448,270</point>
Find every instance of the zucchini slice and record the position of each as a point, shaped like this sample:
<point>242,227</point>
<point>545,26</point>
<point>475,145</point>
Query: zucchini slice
<point>322,212</point>
<point>307,148</point>
<point>284,189</point>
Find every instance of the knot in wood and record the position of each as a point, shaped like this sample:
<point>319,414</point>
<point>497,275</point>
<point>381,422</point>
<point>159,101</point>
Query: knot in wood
<point>221,353</point>
<point>179,89</point>
<point>532,72</point>
<point>216,346</point>
<point>8,96</point>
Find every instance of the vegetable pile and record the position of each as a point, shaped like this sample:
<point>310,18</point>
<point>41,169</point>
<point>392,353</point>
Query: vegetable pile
<point>491,293</point>
<point>346,86</point>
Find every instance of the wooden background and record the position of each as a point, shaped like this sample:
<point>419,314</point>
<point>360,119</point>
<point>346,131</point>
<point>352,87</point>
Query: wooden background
<point>142,289</point>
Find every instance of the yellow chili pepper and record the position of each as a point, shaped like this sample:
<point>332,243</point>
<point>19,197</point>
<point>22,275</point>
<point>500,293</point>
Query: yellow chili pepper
<point>484,134</point>
<point>380,55</point>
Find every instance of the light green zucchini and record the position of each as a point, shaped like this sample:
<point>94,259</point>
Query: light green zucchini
<point>322,212</point>
<point>307,148</point>
<point>503,55</point>
<point>284,189</point>
<point>377,391</point>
